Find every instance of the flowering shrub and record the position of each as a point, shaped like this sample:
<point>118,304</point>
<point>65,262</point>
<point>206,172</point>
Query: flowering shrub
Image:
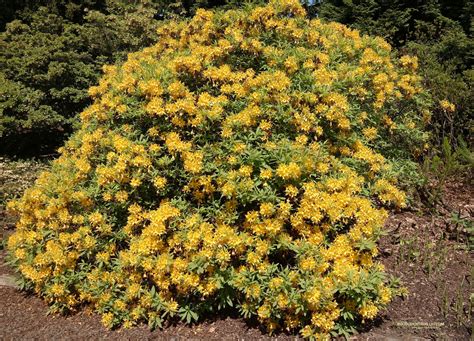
<point>240,162</point>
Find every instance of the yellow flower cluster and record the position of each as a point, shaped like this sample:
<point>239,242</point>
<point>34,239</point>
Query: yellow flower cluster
<point>237,163</point>
<point>447,106</point>
<point>289,171</point>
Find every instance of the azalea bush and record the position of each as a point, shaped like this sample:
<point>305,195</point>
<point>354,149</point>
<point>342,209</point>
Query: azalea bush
<point>240,163</point>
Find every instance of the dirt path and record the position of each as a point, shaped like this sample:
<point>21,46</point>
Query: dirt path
<point>427,251</point>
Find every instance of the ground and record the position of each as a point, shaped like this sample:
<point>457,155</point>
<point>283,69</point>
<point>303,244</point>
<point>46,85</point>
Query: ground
<point>427,249</point>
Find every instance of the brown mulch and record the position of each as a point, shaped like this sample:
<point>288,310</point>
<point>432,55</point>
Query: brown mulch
<point>426,250</point>
<point>430,255</point>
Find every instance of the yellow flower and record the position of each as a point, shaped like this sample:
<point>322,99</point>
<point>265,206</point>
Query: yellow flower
<point>266,174</point>
<point>388,193</point>
<point>322,167</point>
<point>239,147</point>
<point>193,161</point>
<point>160,182</point>
<point>232,160</point>
<point>108,320</point>
<point>289,171</point>
<point>291,191</point>
<point>275,283</point>
<point>370,133</point>
<point>96,218</point>
<point>135,182</point>
<point>385,295</point>
<point>226,132</point>
<point>447,106</point>
<point>121,196</point>
<point>265,125</point>
<point>128,324</point>
<point>369,311</point>
<point>267,209</point>
<point>57,290</point>
<point>409,61</point>
<point>264,311</point>
<point>177,89</point>
<point>246,171</point>
<point>323,321</point>
<point>291,64</point>
<point>172,305</point>
<point>253,291</point>
<point>228,189</point>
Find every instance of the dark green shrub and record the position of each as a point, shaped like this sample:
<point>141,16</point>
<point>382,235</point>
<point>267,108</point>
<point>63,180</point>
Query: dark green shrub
<point>49,62</point>
<point>46,71</point>
<point>446,66</point>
